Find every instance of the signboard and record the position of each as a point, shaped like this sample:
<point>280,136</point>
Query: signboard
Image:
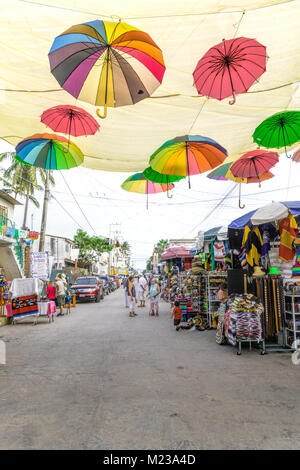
<point>39,265</point>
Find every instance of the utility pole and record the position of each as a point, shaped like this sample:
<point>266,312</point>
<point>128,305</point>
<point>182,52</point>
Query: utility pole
<point>45,212</point>
<point>114,234</point>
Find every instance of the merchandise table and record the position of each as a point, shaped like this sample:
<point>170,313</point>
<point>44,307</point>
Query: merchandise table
<point>47,309</point>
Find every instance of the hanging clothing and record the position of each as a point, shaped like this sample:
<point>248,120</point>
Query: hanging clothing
<point>219,251</point>
<point>212,254</point>
<point>288,230</point>
<point>252,242</point>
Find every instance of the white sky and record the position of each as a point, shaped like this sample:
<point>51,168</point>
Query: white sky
<point>104,202</point>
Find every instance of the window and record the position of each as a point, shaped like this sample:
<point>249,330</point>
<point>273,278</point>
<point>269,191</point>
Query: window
<point>52,246</point>
<point>3,215</point>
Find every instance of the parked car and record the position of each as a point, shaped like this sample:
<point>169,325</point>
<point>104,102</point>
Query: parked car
<point>106,284</point>
<point>88,288</point>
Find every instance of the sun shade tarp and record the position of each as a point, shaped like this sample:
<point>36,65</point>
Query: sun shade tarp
<point>184,31</point>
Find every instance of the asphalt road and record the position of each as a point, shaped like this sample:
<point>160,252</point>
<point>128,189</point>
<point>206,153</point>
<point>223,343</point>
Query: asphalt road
<point>101,380</point>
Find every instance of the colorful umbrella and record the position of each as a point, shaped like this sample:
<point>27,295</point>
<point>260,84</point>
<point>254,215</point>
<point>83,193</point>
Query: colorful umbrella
<point>253,165</point>
<point>70,120</point>
<point>230,68</point>
<point>223,173</point>
<point>107,63</point>
<point>280,130</point>
<point>156,177</point>
<point>175,252</point>
<point>187,155</point>
<point>49,151</point>
<point>296,156</point>
<point>137,183</point>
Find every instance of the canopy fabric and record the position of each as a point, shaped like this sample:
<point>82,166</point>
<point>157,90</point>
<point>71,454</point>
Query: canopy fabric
<point>269,213</point>
<point>241,222</point>
<point>176,252</point>
<point>184,31</point>
<point>212,233</point>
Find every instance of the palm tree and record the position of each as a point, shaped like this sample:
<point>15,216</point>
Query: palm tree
<point>21,180</point>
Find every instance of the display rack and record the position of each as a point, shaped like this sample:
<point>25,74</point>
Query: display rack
<point>213,282</point>
<point>292,315</point>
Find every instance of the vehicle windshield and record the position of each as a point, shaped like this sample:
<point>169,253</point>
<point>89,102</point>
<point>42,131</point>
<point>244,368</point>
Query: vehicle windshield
<point>85,280</point>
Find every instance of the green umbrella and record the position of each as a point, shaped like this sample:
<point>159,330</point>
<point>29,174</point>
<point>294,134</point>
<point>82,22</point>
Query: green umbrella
<point>156,177</point>
<point>280,130</point>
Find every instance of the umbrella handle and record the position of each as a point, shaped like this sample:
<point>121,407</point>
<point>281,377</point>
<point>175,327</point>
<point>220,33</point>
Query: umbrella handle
<point>105,112</point>
<point>169,195</point>
<point>68,148</point>
<point>241,206</point>
<point>233,98</point>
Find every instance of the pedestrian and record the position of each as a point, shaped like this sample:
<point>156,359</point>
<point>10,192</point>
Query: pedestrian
<point>142,289</point>
<point>154,296</point>
<point>60,293</point>
<point>176,314</point>
<point>132,295</point>
<point>222,293</point>
<point>125,285</point>
<point>51,292</point>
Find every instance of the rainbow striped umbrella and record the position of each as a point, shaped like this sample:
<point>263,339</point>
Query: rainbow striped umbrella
<point>137,183</point>
<point>49,151</point>
<point>107,63</point>
<point>187,155</point>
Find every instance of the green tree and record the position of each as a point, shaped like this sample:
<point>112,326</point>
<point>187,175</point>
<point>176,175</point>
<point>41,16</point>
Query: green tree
<point>90,247</point>
<point>161,246</point>
<point>22,180</point>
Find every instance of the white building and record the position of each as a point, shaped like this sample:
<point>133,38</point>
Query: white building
<point>61,249</point>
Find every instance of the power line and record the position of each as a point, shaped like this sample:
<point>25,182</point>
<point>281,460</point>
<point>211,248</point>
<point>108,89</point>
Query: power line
<point>67,212</point>
<point>77,203</point>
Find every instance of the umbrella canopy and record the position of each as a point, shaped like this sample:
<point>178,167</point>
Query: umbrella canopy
<point>176,252</point>
<point>70,120</point>
<point>230,68</point>
<point>223,173</point>
<point>254,164</point>
<point>187,155</point>
<point>156,177</point>
<point>278,131</point>
<point>296,156</point>
<point>137,183</point>
<point>241,222</point>
<point>269,213</point>
<point>49,151</point>
<point>107,63</point>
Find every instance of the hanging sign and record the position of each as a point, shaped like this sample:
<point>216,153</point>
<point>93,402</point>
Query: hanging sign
<point>39,265</point>
<point>33,235</point>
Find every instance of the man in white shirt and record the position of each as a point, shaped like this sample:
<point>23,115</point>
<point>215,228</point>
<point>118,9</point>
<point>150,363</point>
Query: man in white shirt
<point>142,288</point>
<point>60,293</point>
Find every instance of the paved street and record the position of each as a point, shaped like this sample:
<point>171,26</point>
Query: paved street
<point>101,380</point>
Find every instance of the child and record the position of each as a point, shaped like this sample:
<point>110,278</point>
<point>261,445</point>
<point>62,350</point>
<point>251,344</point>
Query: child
<point>51,291</point>
<point>177,315</point>
<point>222,293</point>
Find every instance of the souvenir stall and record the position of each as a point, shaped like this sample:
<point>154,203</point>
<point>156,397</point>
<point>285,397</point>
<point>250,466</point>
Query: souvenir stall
<point>24,299</point>
<point>178,260</point>
<point>265,242</point>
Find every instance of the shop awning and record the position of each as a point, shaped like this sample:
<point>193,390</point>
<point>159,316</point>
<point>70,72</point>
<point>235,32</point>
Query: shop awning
<point>241,222</point>
<point>211,234</point>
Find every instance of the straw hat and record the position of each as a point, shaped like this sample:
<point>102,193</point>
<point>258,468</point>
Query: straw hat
<point>258,272</point>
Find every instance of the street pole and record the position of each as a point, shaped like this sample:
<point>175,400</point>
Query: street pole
<point>45,212</point>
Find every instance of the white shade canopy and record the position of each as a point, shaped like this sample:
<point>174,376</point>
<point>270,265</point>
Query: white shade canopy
<point>269,213</point>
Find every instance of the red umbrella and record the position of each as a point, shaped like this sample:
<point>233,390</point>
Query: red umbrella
<point>253,164</point>
<point>230,68</point>
<point>70,120</point>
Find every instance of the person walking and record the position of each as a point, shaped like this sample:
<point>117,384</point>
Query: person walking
<point>125,285</point>
<point>132,295</point>
<point>142,290</point>
<point>154,296</point>
<point>60,293</point>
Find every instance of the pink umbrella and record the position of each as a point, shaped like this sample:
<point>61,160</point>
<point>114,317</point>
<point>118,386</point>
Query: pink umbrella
<point>296,156</point>
<point>176,252</point>
<point>253,164</point>
<point>229,68</point>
